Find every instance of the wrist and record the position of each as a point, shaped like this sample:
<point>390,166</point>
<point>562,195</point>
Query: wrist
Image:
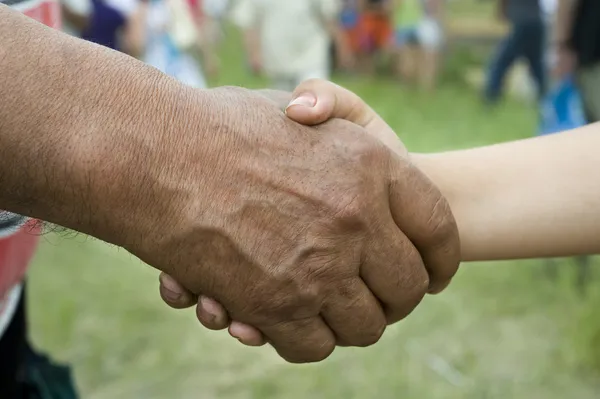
<point>133,162</point>
<point>456,184</point>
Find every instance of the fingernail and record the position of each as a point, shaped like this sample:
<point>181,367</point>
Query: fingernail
<point>306,100</point>
<point>210,306</point>
<point>171,289</point>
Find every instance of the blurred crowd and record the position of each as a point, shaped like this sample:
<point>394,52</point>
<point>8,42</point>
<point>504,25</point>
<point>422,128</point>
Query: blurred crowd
<point>287,41</point>
<point>291,41</point>
<point>171,35</point>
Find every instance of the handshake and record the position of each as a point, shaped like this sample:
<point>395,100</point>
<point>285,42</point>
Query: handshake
<point>301,221</point>
<point>303,237</point>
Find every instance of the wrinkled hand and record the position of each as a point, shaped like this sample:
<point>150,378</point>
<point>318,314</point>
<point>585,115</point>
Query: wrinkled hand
<point>316,102</point>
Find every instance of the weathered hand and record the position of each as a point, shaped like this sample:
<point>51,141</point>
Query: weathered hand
<point>315,102</point>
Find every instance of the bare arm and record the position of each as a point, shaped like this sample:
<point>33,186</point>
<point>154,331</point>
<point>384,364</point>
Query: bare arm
<point>71,120</point>
<point>532,198</point>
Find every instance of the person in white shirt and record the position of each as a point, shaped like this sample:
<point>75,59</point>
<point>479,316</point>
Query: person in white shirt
<point>289,41</point>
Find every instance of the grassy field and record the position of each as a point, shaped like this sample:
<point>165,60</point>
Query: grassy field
<point>502,330</point>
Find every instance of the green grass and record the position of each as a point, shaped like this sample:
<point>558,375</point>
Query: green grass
<point>502,330</point>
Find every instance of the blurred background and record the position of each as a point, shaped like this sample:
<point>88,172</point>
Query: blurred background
<point>445,75</point>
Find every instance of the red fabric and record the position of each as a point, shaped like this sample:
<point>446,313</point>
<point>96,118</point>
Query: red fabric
<point>46,12</point>
<point>17,250</point>
<point>374,32</point>
<point>195,7</point>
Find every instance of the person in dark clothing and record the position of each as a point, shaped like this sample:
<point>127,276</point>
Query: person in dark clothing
<point>525,40</point>
<point>577,44</point>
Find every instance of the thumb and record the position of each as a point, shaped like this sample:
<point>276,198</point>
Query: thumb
<point>316,101</point>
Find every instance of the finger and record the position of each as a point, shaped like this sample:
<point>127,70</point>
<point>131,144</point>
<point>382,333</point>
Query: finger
<point>174,294</point>
<point>211,314</point>
<point>394,271</point>
<point>429,224</point>
<point>246,334</point>
<point>354,314</point>
<point>432,229</point>
<point>301,341</point>
<point>316,101</point>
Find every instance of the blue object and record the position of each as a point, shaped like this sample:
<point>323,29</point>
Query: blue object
<point>349,18</point>
<point>104,26</point>
<point>562,109</point>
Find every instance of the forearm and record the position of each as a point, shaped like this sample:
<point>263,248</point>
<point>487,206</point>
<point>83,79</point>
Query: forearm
<point>67,148</point>
<point>526,199</point>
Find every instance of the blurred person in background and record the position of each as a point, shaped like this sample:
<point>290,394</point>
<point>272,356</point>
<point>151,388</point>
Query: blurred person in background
<point>110,24</point>
<point>418,41</point>
<point>289,41</point>
<point>576,42</point>
<point>374,34</point>
<point>157,42</point>
<point>349,18</point>
<point>145,29</point>
<point>575,46</point>
<point>526,40</point>
<point>208,16</point>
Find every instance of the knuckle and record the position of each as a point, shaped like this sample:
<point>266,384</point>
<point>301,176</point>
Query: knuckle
<point>314,354</point>
<point>441,224</point>
<point>319,354</point>
<point>311,83</point>
<point>290,299</point>
<point>372,336</point>
<point>324,351</point>
<point>349,210</point>
<point>413,284</point>
<point>413,278</point>
<point>365,150</point>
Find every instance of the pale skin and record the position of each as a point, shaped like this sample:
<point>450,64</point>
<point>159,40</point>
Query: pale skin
<point>532,198</point>
<point>299,231</point>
